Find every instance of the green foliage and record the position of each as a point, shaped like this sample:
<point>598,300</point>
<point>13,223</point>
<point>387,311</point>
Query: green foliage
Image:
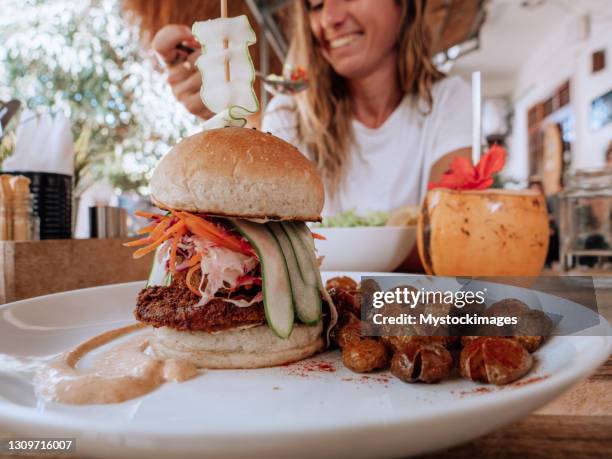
<point>81,58</point>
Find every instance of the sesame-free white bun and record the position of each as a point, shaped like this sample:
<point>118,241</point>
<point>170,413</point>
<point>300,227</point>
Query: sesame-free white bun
<point>254,347</point>
<point>238,172</point>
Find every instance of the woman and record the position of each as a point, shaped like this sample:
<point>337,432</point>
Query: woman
<point>378,119</point>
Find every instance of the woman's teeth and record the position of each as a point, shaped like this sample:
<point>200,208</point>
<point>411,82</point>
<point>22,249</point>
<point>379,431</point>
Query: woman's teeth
<point>343,41</point>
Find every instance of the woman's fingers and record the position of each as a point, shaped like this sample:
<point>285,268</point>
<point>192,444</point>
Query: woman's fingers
<point>166,40</point>
<point>183,76</point>
<point>180,72</point>
<point>188,86</point>
<point>183,70</point>
<point>194,104</point>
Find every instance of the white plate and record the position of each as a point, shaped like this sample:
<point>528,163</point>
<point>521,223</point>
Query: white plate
<point>279,412</point>
<point>379,248</point>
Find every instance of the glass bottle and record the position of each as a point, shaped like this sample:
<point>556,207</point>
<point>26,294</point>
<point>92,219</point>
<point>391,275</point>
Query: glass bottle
<point>586,218</point>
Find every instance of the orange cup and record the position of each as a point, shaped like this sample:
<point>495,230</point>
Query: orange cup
<point>483,232</point>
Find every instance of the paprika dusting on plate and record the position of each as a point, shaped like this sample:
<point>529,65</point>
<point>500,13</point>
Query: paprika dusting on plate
<point>308,367</point>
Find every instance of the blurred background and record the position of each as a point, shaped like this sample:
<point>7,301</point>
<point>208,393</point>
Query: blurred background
<point>547,82</point>
<point>86,113</point>
<point>546,64</point>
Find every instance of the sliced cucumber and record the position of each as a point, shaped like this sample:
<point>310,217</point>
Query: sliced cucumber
<point>234,116</point>
<point>306,298</point>
<point>276,286</point>
<point>303,234</point>
<point>158,274</point>
<point>310,272</point>
<point>216,92</point>
<point>305,237</point>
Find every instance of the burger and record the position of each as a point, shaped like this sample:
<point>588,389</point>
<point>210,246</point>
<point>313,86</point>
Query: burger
<point>235,281</point>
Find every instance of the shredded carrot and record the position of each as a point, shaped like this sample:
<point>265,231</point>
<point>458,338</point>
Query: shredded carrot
<point>209,231</point>
<point>137,242</point>
<point>179,227</point>
<point>140,213</point>
<point>196,227</point>
<point>188,280</point>
<point>195,259</point>
<point>153,236</point>
<point>147,229</point>
<point>318,236</point>
<point>160,228</point>
<point>174,225</point>
<point>144,250</point>
<point>180,215</point>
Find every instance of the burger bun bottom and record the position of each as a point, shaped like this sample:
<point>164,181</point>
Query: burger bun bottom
<point>254,347</point>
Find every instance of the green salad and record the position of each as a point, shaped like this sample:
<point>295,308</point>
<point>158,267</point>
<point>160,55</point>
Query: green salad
<point>351,219</point>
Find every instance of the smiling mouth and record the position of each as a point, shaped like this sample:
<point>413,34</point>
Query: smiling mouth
<point>344,40</point>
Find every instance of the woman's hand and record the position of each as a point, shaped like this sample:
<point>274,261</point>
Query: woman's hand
<point>183,76</point>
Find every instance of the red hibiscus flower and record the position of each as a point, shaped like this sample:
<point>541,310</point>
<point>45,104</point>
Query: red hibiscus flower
<point>462,175</point>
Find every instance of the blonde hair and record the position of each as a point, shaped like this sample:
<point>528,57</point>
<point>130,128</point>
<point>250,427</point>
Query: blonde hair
<point>324,110</point>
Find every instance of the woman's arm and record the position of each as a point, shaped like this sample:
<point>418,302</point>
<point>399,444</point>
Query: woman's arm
<point>443,164</point>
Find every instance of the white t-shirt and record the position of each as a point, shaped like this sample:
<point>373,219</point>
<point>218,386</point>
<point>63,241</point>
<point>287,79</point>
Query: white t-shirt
<point>389,166</point>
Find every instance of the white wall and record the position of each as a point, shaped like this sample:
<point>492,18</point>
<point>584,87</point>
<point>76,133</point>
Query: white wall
<point>591,145</point>
<point>564,54</point>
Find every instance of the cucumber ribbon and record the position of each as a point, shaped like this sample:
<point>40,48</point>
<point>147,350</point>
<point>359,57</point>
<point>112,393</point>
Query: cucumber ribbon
<point>232,101</point>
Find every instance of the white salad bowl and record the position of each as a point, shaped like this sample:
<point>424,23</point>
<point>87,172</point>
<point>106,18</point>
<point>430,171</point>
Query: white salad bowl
<point>379,248</point>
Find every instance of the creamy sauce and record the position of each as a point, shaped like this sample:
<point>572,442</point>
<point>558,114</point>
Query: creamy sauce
<point>123,372</point>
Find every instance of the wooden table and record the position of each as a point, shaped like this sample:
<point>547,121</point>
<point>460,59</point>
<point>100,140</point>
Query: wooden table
<point>576,425</point>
